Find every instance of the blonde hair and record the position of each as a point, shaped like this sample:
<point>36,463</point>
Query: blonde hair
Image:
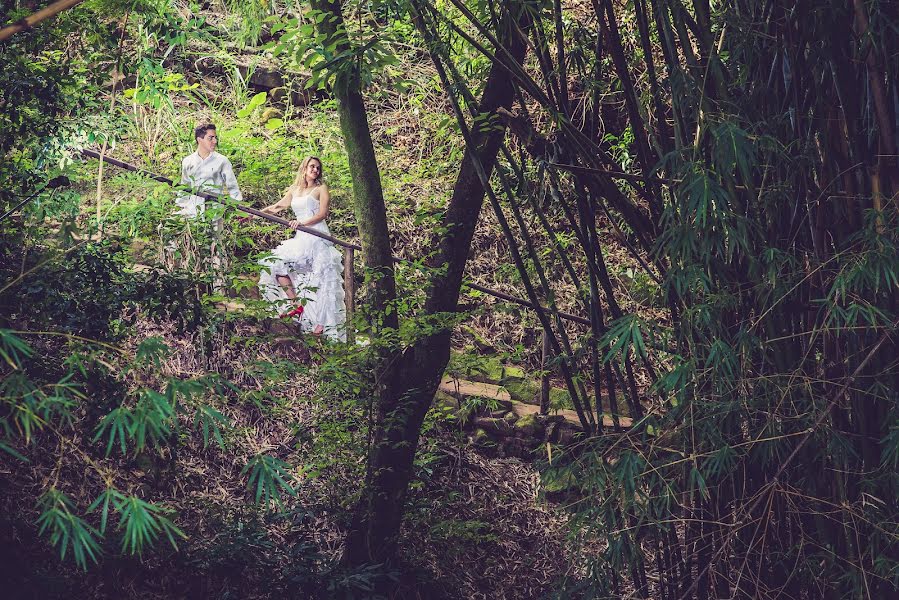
<point>299,182</point>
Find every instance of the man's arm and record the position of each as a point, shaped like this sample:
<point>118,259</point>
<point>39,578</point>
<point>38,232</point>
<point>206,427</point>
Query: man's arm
<point>185,165</point>
<point>231,181</point>
<point>188,202</point>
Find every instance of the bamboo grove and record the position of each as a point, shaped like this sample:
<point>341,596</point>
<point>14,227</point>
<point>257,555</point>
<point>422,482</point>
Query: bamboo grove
<point>761,199</point>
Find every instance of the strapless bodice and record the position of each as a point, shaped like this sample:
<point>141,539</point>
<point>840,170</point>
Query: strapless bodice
<point>304,205</point>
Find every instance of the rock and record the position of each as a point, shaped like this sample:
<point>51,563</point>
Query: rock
<point>551,431</point>
<point>282,327</point>
<point>443,399</point>
<point>568,433</point>
<point>258,78</point>
<point>504,405</point>
<point>292,347</point>
<point>486,409</point>
<point>484,442</point>
<point>521,390</point>
<point>518,448</point>
<point>479,436</point>
<point>529,426</point>
<point>270,113</point>
<point>493,426</point>
<point>548,419</point>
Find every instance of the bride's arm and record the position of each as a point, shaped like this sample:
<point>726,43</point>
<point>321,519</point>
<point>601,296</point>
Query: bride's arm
<point>324,199</point>
<point>280,205</point>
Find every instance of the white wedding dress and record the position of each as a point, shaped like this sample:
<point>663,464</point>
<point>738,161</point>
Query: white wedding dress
<point>315,268</point>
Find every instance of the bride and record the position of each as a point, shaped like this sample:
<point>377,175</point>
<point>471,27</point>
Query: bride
<point>304,273</point>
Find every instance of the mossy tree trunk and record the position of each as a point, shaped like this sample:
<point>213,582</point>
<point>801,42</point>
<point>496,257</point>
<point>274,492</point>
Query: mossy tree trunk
<point>410,382</point>
<point>368,196</point>
<point>410,388</point>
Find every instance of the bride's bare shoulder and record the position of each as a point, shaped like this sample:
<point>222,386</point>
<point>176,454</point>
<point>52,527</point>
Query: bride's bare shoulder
<point>317,191</point>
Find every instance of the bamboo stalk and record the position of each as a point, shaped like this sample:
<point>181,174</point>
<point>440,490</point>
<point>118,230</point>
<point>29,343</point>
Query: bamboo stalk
<point>545,377</point>
<point>772,482</point>
<point>609,28</point>
<point>510,238</point>
<point>562,67</point>
<point>548,294</point>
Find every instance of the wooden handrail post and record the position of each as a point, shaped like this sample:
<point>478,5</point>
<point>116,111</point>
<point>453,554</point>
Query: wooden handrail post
<point>544,377</point>
<point>348,289</point>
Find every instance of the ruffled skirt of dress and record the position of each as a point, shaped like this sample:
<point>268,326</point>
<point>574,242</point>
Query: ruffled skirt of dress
<point>315,268</point>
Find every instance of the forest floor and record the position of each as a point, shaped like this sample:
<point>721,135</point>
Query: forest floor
<point>475,527</point>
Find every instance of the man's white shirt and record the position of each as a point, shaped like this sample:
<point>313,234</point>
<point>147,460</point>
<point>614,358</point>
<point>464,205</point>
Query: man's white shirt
<point>213,174</point>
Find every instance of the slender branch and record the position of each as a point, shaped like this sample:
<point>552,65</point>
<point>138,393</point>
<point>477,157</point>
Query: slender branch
<point>32,20</point>
<point>769,485</point>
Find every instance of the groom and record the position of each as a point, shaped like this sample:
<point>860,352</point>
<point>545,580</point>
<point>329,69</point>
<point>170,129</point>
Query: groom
<point>208,171</point>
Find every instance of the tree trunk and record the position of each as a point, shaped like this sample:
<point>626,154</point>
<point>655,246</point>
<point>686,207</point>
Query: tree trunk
<point>368,197</point>
<point>410,386</point>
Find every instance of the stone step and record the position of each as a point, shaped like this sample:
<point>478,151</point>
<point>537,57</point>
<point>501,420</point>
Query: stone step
<point>521,409</point>
<point>230,306</point>
<point>474,388</point>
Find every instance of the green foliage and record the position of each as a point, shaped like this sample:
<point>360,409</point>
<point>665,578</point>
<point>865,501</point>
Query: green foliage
<point>777,289</point>
<point>456,530</point>
<point>25,407</point>
<point>252,18</point>
<point>775,363</point>
<point>66,530</point>
<point>153,418</point>
<point>255,102</point>
<point>149,422</point>
<point>84,289</point>
<point>335,55</point>
<point>151,351</point>
<point>158,87</point>
<point>67,375</point>
<point>621,147</point>
<point>624,337</point>
<point>269,477</point>
<point>735,155</point>
<point>211,423</point>
<point>13,349</point>
<point>40,81</point>
<point>142,523</point>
